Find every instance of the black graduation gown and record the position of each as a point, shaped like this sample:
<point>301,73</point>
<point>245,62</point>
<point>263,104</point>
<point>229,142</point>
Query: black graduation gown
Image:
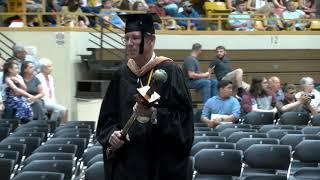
<point>155,151</point>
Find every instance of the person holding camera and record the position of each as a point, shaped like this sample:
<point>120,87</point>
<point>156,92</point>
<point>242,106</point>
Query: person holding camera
<point>290,103</point>
<point>307,85</point>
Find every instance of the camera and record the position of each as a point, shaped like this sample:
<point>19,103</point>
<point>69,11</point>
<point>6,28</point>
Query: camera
<point>311,96</point>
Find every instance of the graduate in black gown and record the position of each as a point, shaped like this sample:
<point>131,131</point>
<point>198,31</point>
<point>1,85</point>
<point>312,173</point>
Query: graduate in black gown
<point>158,149</point>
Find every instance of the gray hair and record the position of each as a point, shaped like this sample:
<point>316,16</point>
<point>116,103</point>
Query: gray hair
<point>17,47</point>
<point>306,81</point>
<point>44,62</point>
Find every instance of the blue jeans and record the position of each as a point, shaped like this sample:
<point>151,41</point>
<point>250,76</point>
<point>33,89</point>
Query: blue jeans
<point>208,87</point>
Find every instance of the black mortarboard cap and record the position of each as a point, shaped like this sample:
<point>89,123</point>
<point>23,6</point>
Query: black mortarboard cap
<point>141,22</point>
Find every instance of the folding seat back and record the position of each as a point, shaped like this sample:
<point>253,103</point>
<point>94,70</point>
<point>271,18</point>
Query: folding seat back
<point>85,135</point>
<point>31,143</point>
<point>4,132</point>
<point>33,129</point>
<point>90,153</point>
<point>21,148</point>
<point>294,118</point>
<point>34,175</point>
<point>94,171</point>
<point>227,132</point>
<point>222,127</point>
<point>294,139</point>
<point>202,129</point>
<point>6,168</point>
<point>41,135</point>
<point>92,124</point>
<point>211,145</point>
<point>208,139</point>
<point>206,133</point>
<point>259,118</point>
<point>315,121</point>
<point>236,136</point>
<point>96,158</point>
<point>80,142</point>
<point>84,126</point>
<point>311,130</point>
<point>268,127</point>
<point>6,154</point>
<point>60,166</point>
<point>63,148</point>
<point>262,157</point>
<point>218,162</point>
<point>67,130</point>
<point>198,124</point>
<point>266,177</point>
<point>279,133</point>
<point>244,143</point>
<point>307,151</point>
<point>13,122</point>
<point>49,156</point>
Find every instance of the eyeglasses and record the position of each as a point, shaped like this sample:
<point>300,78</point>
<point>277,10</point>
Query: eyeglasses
<point>134,40</point>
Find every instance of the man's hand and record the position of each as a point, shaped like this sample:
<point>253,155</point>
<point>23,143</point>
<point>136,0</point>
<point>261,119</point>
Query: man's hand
<point>214,122</point>
<point>115,140</point>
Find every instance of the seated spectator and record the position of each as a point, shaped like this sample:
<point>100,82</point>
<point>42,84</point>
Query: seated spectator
<point>70,20</point>
<point>291,104</point>
<point>139,6</point>
<point>194,78</point>
<point>143,5</point>
<point>189,12</point>
<point>19,54</point>
<point>52,6</point>
<point>221,108</point>
<point>259,98</point>
<point>307,85</point>
<point>257,5</point>
<point>110,15</point>
<point>308,7</point>
<point>231,4</point>
<point>17,98</point>
<point>158,8</point>
<point>275,87</point>
<point>221,67</point>
<point>33,6</point>
<point>34,88</point>
<point>171,7</point>
<point>240,20</point>
<point>280,6</point>
<point>292,15</point>
<point>272,20</point>
<point>46,79</point>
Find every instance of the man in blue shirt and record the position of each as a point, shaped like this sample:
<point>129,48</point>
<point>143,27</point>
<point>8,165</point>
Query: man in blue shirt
<point>221,108</point>
<point>189,12</point>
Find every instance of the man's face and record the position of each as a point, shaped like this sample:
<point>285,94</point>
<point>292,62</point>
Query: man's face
<point>188,9</point>
<point>21,54</point>
<point>107,4</point>
<point>241,7</point>
<point>220,53</point>
<point>275,84</point>
<point>290,94</point>
<point>132,41</point>
<point>226,91</point>
<point>308,87</point>
<point>291,6</point>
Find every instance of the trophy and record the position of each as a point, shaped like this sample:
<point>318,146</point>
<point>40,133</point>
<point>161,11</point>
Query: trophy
<point>147,96</point>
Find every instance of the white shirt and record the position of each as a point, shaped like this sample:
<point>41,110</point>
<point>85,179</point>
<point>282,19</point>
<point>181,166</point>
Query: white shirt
<point>315,103</point>
<point>48,88</point>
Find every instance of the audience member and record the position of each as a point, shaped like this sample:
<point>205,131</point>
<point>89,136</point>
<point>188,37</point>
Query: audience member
<point>110,15</point>
<point>17,98</point>
<point>272,20</point>
<point>171,7</point>
<point>46,79</point>
<point>257,5</point>
<point>309,7</point>
<point>33,6</point>
<point>139,6</point>
<point>240,20</point>
<point>291,104</point>
<point>307,85</point>
<point>19,54</point>
<point>292,15</point>
<point>221,66</point>
<point>158,8</point>
<point>221,108</point>
<point>34,88</point>
<point>52,6</point>
<point>259,98</point>
<point>280,6</point>
<point>275,87</point>
<point>189,12</point>
<point>71,20</point>
<point>194,78</point>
